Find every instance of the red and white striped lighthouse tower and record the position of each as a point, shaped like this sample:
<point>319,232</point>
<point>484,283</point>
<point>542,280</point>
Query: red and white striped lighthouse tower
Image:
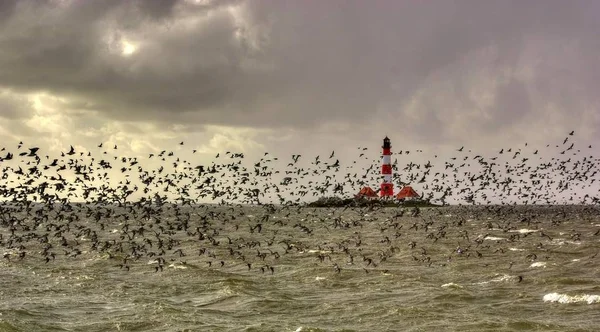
<point>387,187</point>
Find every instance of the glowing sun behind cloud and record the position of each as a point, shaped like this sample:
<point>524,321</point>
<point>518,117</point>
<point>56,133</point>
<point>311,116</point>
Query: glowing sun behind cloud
<point>128,48</point>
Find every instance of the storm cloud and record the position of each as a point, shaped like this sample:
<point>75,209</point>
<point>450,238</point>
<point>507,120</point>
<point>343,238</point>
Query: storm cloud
<point>437,72</point>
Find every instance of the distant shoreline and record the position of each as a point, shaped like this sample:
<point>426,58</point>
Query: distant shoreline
<point>363,202</point>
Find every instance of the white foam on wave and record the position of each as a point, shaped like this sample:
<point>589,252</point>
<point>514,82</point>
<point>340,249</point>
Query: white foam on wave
<point>564,298</point>
<point>516,249</point>
<point>499,278</point>
<point>314,251</point>
<point>504,277</point>
<point>493,238</point>
<point>320,278</point>
<point>227,291</point>
<point>538,264</point>
<point>523,231</point>
<point>451,285</point>
<point>560,242</point>
<point>84,277</point>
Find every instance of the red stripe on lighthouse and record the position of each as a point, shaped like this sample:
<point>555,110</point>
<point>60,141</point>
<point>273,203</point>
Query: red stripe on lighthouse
<point>386,169</point>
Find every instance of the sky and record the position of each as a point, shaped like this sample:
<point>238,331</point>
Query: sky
<point>298,77</point>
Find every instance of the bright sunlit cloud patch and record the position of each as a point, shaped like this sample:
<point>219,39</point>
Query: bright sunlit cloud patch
<point>128,48</point>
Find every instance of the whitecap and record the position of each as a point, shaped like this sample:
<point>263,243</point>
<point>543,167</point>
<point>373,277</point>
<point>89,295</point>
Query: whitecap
<point>493,238</point>
<point>560,242</point>
<point>227,290</point>
<point>538,264</point>
<point>451,285</point>
<point>502,278</point>
<point>516,249</point>
<point>178,266</point>
<point>523,231</point>
<point>314,251</point>
<point>84,277</point>
<point>320,278</point>
<point>564,298</point>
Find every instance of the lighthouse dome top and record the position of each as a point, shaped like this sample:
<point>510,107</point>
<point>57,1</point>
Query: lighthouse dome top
<point>386,143</point>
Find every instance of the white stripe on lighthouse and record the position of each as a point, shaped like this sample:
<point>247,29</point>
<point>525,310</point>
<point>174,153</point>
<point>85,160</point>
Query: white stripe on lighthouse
<point>386,160</point>
<point>387,178</point>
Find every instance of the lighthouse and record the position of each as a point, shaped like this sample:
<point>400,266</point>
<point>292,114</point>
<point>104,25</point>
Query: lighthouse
<point>387,187</point>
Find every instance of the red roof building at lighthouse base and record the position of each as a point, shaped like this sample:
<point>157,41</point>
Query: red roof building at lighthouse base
<point>407,193</point>
<point>366,192</point>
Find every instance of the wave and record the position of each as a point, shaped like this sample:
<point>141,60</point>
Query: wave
<point>452,285</point>
<point>538,264</point>
<point>500,278</point>
<point>564,298</point>
<point>494,238</point>
<point>6,326</point>
<point>523,231</point>
<point>560,242</point>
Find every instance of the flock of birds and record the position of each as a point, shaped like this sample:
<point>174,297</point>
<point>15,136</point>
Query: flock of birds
<point>154,214</point>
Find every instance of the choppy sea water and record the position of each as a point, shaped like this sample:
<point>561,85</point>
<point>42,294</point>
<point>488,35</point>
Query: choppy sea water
<point>388,269</point>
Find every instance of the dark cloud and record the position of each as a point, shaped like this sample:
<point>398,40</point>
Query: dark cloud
<point>157,9</point>
<point>425,67</point>
<point>6,9</point>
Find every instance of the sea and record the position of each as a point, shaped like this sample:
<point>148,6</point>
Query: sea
<point>292,268</point>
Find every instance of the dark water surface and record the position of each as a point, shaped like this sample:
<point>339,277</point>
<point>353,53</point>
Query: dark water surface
<point>441,269</point>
